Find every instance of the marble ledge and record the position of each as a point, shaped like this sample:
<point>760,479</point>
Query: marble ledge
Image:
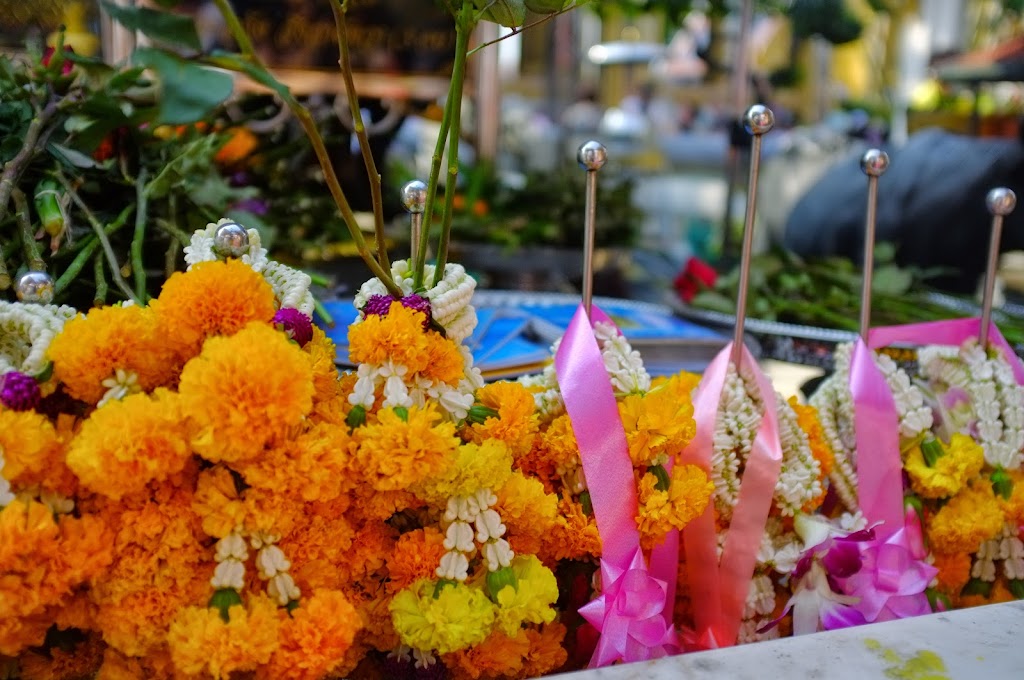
<point>970,644</point>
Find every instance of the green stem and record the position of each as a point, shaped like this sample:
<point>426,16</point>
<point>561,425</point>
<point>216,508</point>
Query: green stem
<point>139,235</point>
<point>254,68</point>
<point>432,181</point>
<point>5,276</point>
<point>359,128</point>
<point>32,257</point>
<point>173,231</point>
<point>464,25</point>
<point>115,269</point>
<point>14,167</point>
<point>101,281</point>
<point>72,270</point>
<point>317,279</point>
<point>323,313</point>
<point>171,258</point>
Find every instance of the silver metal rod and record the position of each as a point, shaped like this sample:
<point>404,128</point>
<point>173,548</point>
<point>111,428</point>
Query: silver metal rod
<point>1000,202</point>
<point>591,156</point>
<point>414,200</point>
<point>874,163</point>
<point>758,120</point>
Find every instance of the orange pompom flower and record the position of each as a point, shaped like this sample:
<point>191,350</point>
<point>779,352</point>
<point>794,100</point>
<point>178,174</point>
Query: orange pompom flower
<point>212,298</point>
<point>244,392</point>
<point>516,422</point>
<point>92,349</point>
<point>201,642</point>
<point>313,638</point>
<point>127,444</point>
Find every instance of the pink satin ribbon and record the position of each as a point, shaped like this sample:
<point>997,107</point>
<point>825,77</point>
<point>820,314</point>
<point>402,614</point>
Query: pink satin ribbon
<point>876,428</point>
<point>876,422</point>
<point>719,588</point>
<point>633,613</point>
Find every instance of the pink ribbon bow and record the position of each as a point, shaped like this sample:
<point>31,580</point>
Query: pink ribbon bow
<point>629,614</point>
<point>634,613</point>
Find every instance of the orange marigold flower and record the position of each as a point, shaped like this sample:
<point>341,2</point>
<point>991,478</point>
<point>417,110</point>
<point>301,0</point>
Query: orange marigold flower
<point>42,561</point>
<point>244,392</point>
<point>202,642</point>
<point>685,499</point>
<point>154,666</point>
<point>269,512</point>
<point>213,298</point>
<point>417,555</point>
<point>807,419</point>
<point>954,572</point>
<point>313,638</point>
<point>546,653</point>
<point>516,423</point>
<point>558,443</point>
<point>92,348</point>
<point>126,444</point>
<point>240,143</point>
<point>1013,507</point>
<point>322,354</point>
<point>217,501</point>
<point>970,517</point>
<point>574,535</point>
<point>396,453</point>
<point>316,546</point>
<point>498,656</point>
<point>311,466</point>
<point>33,453</point>
<point>444,361</point>
<point>399,336</point>
<point>371,549</point>
<point>58,663</point>
<point>372,505</point>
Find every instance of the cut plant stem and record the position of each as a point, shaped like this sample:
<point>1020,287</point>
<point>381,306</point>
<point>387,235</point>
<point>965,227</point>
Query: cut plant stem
<point>359,128</point>
<point>253,67</point>
<point>32,257</point>
<point>465,22</point>
<point>139,235</point>
<point>100,297</point>
<point>432,179</point>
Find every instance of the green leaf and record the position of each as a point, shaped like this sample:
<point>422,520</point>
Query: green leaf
<point>891,280</point>
<point>1016,586</point>
<point>189,91</point>
<point>509,13</point>
<point>715,301</point>
<point>70,157</point>
<point>195,158</point>
<point>164,27</point>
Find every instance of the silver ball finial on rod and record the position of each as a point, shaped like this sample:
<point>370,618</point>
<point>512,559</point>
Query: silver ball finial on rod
<point>758,121</point>
<point>414,200</point>
<point>591,156</point>
<point>874,163</point>
<point>1000,202</point>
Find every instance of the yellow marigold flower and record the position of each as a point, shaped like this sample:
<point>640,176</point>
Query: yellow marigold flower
<point>962,461</point>
<point>498,656</point>
<point>574,535</point>
<point>546,653</point>
<point>213,298</point>
<point>33,453</point>
<point>660,511</point>
<point>399,336</point>
<point>531,600</point>
<point>127,444</point>
<point>217,501</point>
<point>444,360</point>
<point>244,392</point>
<point>660,422</point>
<point>475,466</point>
<point>970,517</point>
<point>311,466</point>
<point>396,453</point>
<point>459,616</point>
<point>527,510</point>
<point>92,348</point>
<point>808,420</point>
<point>416,556</point>
<point>314,638</point>
<point>202,642</point>
<point>516,423</point>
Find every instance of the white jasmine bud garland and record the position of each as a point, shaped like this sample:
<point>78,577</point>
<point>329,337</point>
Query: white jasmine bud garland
<point>463,514</point>
<point>290,286</point>
<point>739,416</point>
<point>26,331</point>
<point>799,476</point>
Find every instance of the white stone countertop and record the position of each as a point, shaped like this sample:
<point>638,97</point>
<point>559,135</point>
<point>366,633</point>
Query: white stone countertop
<point>983,643</point>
